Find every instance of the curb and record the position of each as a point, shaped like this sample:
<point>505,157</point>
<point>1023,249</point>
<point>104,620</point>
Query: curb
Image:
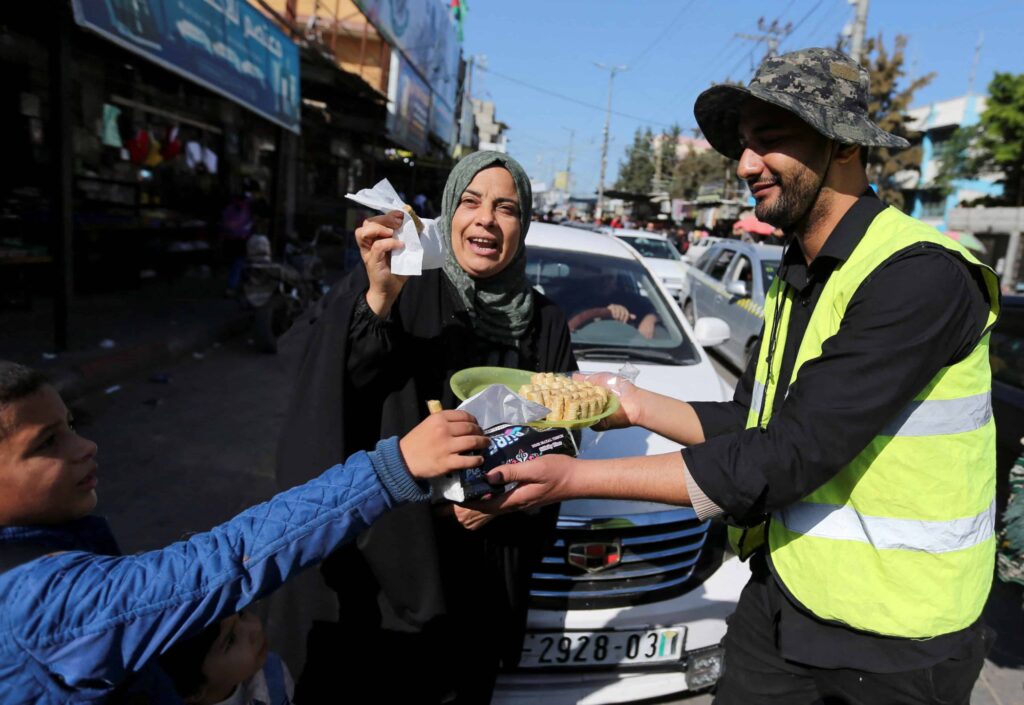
<point>105,370</point>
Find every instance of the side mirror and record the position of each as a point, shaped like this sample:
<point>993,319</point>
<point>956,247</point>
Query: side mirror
<point>710,332</point>
<point>738,289</point>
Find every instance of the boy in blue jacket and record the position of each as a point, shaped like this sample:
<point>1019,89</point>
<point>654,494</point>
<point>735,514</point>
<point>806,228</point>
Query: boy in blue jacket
<point>79,623</point>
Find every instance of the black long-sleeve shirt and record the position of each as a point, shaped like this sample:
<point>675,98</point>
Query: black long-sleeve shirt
<point>922,310</point>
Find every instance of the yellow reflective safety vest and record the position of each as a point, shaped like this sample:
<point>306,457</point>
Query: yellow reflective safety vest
<point>901,541</point>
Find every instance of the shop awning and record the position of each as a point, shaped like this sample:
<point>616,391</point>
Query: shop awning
<point>753,225</point>
<point>229,48</point>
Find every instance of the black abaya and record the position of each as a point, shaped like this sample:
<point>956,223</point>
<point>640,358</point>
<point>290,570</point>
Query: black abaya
<point>442,601</point>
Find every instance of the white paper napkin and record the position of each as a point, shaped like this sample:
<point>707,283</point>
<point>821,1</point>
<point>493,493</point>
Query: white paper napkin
<point>421,252</point>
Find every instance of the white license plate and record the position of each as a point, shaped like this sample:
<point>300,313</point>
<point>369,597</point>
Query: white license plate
<point>602,648</point>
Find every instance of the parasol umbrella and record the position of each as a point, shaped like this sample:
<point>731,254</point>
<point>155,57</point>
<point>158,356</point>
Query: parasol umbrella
<point>967,240</point>
<point>753,225</point>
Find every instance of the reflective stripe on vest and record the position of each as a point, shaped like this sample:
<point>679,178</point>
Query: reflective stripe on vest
<point>842,522</point>
<point>756,397</point>
<point>934,417</point>
<point>938,417</point>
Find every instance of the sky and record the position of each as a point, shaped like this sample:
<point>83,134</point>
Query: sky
<point>540,61</point>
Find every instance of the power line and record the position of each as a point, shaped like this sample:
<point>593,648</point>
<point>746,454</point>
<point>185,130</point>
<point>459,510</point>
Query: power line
<point>960,22</point>
<point>668,28</point>
<point>730,50</point>
<point>770,33</point>
<point>570,99</point>
<point>746,57</point>
<point>723,55</point>
<point>804,18</point>
<point>829,16</point>
<point>612,70</point>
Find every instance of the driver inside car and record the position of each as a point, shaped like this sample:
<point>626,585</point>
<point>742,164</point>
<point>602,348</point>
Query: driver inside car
<point>745,274</point>
<point>627,306</point>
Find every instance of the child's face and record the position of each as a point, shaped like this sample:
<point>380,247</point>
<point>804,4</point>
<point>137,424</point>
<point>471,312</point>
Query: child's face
<point>238,654</point>
<point>47,471</point>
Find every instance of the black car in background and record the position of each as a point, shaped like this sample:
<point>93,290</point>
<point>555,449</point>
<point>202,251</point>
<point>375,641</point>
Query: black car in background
<point>1006,353</point>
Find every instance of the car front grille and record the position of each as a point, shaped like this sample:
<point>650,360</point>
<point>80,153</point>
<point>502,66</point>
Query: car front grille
<point>660,557</point>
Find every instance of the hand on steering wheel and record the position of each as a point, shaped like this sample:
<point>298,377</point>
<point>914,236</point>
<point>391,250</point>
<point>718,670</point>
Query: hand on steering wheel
<point>620,313</point>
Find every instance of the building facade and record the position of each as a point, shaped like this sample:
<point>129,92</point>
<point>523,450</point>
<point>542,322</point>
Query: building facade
<point>925,199</point>
<point>490,131</point>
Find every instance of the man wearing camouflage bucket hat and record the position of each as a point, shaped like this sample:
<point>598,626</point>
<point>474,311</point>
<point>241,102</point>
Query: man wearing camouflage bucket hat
<point>855,465</point>
<point>874,564</point>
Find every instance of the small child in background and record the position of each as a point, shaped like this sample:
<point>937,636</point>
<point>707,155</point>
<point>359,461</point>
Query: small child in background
<point>228,664</point>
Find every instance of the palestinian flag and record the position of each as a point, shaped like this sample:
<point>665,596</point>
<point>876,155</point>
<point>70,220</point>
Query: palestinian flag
<point>459,10</point>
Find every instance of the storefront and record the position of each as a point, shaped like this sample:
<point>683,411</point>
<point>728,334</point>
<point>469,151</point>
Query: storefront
<point>134,126</point>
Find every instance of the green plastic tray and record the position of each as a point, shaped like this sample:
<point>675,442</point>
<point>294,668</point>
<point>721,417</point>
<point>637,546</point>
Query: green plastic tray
<point>472,380</point>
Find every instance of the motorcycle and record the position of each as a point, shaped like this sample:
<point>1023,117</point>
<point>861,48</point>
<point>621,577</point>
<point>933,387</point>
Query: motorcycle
<point>279,292</point>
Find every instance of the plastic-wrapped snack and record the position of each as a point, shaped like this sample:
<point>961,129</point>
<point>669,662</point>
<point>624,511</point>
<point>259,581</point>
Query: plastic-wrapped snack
<point>514,443</point>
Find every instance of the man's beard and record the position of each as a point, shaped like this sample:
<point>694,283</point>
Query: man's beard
<point>796,197</point>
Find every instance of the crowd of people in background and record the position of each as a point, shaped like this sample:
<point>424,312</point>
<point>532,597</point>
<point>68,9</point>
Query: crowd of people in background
<point>682,236</point>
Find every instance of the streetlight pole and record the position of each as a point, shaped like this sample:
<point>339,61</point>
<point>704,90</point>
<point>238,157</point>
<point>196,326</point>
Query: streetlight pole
<point>612,70</point>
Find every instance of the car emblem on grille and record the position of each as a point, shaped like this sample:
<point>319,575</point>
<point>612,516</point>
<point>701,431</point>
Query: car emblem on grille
<point>594,557</point>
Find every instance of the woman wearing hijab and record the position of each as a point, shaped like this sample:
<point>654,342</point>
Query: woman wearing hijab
<point>433,583</point>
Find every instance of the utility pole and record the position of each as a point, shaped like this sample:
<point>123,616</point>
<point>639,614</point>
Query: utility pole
<point>612,70</point>
<point>860,23</point>
<point>658,146</point>
<point>568,163</point>
<point>974,64</point>
<point>770,33</point>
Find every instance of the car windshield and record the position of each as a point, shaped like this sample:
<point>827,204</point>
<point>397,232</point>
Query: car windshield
<point>653,247</point>
<point>769,268</point>
<point>614,309</point>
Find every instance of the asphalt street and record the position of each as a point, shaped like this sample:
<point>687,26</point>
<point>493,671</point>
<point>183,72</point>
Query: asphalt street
<point>189,446</point>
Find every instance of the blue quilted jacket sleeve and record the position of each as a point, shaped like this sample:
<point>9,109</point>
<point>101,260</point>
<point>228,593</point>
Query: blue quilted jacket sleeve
<point>84,621</point>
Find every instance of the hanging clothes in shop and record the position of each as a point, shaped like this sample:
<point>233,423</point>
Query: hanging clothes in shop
<point>138,146</point>
<point>110,133</point>
<point>172,143</point>
<point>197,155</point>
<point>155,156</point>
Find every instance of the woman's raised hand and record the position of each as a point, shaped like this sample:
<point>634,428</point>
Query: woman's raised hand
<point>376,243</point>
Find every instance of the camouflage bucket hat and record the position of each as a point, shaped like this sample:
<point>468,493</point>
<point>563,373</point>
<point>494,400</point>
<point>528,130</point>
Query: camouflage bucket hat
<point>825,88</point>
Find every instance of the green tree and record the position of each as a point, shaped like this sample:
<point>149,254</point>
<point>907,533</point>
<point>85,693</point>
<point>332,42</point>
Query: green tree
<point>637,171</point>
<point>888,105</point>
<point>696,169</point>
<point>957,158</point>
<point>1000,143</point>
<point>667,153</point>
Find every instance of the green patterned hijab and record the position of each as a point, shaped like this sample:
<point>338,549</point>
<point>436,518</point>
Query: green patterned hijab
<point>501,306</point>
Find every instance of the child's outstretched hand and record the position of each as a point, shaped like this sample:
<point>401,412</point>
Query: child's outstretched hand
<point>433,448</point>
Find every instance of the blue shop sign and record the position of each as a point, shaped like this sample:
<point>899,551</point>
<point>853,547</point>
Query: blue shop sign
<point>425,34</point>
<point>224,45</point>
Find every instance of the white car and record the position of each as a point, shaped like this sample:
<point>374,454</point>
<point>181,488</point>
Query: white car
<point>660,256</point>
<point>701,246</point>
<point>731,282</point>
<point>631,598</point>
